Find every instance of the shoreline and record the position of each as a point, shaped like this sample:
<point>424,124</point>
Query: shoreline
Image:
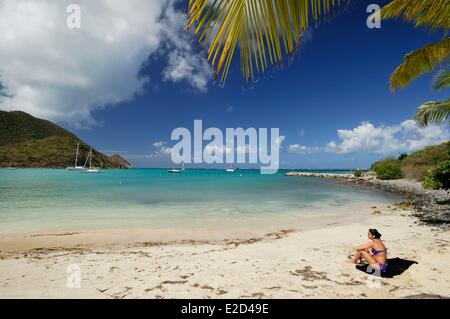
<point>287,264</point>
<point>431,207</point>
<point>69,238</point>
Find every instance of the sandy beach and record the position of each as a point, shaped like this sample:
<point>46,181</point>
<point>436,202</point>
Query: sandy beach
<point>291,263</point>
<point>225,150</point>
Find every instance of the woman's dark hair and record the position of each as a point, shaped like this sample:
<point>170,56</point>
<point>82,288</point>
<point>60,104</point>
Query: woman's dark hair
<point>375,233</point>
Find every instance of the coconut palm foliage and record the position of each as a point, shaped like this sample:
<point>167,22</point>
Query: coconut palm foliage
<point>430,13</point>
<point>263,31</point>
<point>442,80</point>
<point>420,61</point>
<point>434,14</point>
<point>435,112</point>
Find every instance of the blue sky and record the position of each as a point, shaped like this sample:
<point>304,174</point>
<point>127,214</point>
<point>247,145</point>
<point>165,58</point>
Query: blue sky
<point>338,81</point>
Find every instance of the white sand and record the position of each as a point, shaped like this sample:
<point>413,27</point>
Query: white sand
<point>301,264</point>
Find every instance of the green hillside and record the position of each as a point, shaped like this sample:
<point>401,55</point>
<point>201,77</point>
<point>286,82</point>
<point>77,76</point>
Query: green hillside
<point>26,141</point>
<point>416,165</point>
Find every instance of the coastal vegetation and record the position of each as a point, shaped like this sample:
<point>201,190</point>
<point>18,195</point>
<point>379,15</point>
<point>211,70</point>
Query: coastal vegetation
<point>431,165</point>
<point>435,112</point>
<point>389,168</point>
<point>417,164</point>
<point>357,173</point>
<point>263,31</point>
<point>438,177</point>
<point>422,13</point>
<point>266,31</point>
<point>26,141</point>
<point>402,156</point>
<point>436,16</point>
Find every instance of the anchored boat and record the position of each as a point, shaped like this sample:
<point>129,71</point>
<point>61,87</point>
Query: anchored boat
<point>76,168</point>
<point>90,169</point>
<point>176,171</point>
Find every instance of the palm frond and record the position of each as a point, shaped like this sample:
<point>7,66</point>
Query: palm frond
<point>265,31</point>
<point>431,13</point>
<point>441,80</point>
<point>433,112</point>
<point>420,61</point>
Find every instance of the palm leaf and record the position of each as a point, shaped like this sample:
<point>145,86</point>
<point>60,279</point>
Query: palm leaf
<point>430,13</point>
<point>265,31</point>
<point>442,80</point>
<point>420,61</point>
<point>433,112</point>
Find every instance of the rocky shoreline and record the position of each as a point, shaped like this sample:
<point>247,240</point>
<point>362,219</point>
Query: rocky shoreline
<point>430,206</point>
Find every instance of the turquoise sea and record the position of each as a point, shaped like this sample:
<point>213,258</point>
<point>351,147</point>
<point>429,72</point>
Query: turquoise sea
<point>35,200</point>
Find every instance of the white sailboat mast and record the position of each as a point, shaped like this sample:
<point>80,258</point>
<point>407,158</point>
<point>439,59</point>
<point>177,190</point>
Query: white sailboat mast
<point>87,158</point>
<point>76,156</point>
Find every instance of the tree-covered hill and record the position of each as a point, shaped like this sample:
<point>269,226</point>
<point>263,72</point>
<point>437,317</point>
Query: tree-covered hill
<point>26,141</point>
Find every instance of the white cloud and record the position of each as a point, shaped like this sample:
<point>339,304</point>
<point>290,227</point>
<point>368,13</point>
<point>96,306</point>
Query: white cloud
<point>295,148</point>
<point>163,150</point>
<point>217,150</point>
<point>302,149</point>
<point>407,136</point>
<point>246,149</point>
<point>63,74</point>
<point>298,149</point>
<point>366,137</point>
<point>186,66</point>
<point>159,144</point>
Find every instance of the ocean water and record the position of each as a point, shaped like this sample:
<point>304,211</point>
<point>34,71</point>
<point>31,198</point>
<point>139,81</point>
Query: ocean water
<point>36,200</point>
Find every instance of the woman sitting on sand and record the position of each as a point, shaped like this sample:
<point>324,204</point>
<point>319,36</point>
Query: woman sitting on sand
<point>374,253</point>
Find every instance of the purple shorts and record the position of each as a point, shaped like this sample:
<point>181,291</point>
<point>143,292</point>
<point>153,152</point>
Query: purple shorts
<point>383,267</point>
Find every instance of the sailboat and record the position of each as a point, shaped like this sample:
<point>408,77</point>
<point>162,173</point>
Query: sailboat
<point>90,169</point>
<point>76,167</point>
<point>177,171</point>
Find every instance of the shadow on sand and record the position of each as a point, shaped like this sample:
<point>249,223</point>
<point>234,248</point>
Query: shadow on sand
<point>396,267</point>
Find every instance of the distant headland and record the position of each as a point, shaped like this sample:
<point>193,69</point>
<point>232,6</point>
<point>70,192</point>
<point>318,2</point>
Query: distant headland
<point>29,142</point>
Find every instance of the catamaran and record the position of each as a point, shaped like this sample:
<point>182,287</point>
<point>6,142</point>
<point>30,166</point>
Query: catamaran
<point>177,171</point>
<point>76,167</point>
<point>90,169</point>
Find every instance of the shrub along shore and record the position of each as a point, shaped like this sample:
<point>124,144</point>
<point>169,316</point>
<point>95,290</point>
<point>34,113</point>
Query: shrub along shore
<point>430,165</point>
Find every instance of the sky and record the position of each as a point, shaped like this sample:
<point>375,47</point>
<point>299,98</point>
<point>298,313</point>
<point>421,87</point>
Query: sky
<point>130,75</point>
